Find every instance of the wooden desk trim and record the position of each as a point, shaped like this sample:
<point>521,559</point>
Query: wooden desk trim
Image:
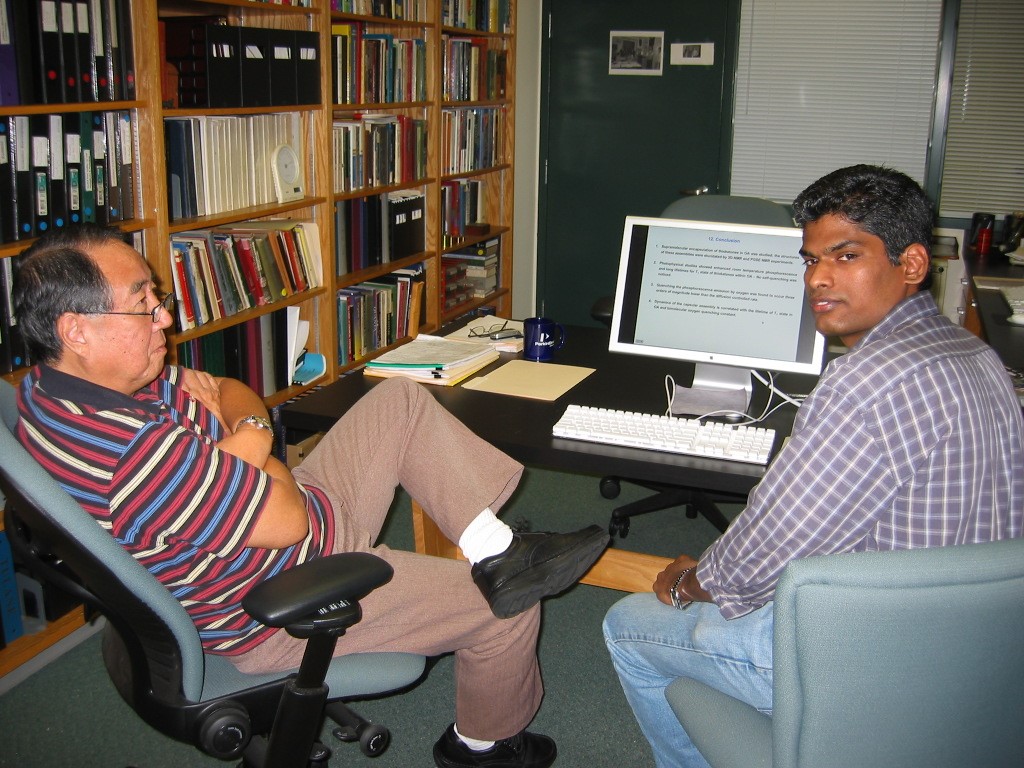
<point>615,569</point>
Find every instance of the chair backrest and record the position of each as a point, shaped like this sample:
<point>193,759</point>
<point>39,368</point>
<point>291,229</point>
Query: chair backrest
<point>729,209</point>
<point>160,639</point>
<point>901,658</point>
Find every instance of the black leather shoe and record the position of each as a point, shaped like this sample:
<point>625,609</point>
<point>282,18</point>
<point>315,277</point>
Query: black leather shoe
<point>524,750</point>
<point>537,565</point>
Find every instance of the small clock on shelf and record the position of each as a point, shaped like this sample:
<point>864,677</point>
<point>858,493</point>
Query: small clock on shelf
<point>287,174</point>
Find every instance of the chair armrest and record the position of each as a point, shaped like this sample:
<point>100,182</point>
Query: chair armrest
<point>302,591</point>
<point>728,732</point>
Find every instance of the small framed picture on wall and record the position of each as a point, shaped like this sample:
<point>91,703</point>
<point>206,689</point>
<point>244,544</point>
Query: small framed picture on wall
<point>636,53</point>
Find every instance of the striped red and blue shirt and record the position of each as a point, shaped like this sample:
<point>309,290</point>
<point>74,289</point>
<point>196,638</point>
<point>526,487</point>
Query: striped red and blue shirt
<point>147,467</point>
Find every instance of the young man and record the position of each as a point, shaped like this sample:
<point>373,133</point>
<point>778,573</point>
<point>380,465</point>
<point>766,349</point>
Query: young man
<point>177,465</point>
<point>911,439</point>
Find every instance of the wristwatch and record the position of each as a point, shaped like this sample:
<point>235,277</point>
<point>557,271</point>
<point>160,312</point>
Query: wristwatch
<point>256,421</point>
<point>677,601</point>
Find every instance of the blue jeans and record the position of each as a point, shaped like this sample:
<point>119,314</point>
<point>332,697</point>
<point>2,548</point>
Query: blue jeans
<point>651,644</point>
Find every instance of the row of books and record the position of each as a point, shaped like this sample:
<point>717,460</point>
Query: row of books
<point>221,272</point>
<point>462,205</point>
<point>409,10</point>
<point>262,352</point>
<point>485,15</point>
<point>378,150</point>
<point>378,229</point>
<point>472,138</point>
<point>215,64</point>
<point>65,51</point>
<point>473,70</point>
<point>218,163</point>
<point>376,68</point>
<point>377,313</point>
<point>59,169</point>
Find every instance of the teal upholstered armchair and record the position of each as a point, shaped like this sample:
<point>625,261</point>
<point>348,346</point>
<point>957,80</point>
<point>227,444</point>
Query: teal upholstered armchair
<point>912,658</point>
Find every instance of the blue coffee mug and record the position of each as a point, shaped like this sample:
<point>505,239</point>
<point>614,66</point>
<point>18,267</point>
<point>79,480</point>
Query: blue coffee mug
<point>542,337</point>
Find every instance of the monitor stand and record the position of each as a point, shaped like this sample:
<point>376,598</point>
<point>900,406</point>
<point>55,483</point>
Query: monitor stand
<point>715,388</point>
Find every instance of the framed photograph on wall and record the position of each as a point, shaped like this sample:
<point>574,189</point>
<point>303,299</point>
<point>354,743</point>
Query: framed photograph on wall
<point>636,53</point>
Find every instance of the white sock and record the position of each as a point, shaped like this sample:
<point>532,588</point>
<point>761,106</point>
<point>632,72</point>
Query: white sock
<point>485,536</point>
<point>476,745</point>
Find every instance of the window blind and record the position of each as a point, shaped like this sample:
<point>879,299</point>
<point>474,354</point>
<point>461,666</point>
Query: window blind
<point>983,165</point>
<point>822,84</point>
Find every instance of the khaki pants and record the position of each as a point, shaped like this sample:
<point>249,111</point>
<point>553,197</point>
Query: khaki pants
<point>398,435</point>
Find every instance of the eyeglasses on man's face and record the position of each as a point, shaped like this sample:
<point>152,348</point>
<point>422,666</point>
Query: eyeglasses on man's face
<point>167,302</point>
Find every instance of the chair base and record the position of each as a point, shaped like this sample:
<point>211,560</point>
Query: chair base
<point>695,501</point>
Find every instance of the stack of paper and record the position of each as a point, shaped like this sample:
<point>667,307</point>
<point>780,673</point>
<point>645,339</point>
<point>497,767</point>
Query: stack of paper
<point>433,360</point>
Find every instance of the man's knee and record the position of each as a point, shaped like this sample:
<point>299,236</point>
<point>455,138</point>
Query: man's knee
<point>627,615</point>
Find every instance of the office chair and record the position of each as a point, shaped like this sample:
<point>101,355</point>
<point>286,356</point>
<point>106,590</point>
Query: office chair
<point>882,659</point>
<point>152,649</point>
<point>718,208</point>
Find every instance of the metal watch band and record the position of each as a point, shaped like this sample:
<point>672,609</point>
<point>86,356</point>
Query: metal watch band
<point>257,421</point>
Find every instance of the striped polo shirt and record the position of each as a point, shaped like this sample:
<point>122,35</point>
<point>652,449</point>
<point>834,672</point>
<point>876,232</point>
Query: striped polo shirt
<point>147,467</point>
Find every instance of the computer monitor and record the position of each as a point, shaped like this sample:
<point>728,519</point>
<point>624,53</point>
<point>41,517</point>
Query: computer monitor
<point>728,297</point>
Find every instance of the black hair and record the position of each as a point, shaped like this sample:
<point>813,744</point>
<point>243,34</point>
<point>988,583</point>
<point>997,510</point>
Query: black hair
<point>881,201</point>
<point>56,275</point>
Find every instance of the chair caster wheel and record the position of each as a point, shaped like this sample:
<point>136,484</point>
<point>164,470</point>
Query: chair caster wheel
<point>610,487</point>
<point>619,527</point>
<point>374,740</point>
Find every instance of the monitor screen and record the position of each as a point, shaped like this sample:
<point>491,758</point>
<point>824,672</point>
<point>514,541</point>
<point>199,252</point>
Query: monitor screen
<point>729,297</point>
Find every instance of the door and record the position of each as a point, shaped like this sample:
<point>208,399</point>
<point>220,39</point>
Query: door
<point>618,144</point>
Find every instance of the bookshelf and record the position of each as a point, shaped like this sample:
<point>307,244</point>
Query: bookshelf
<point>414,101</point>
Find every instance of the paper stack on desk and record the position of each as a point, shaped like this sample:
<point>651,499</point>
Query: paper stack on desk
<point>433,360</point>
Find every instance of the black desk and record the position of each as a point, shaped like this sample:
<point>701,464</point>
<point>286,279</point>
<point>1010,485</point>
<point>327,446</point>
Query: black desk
<point>1005,338</point>
<point>522,428</point>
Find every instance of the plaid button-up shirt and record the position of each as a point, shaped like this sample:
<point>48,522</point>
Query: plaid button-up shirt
<point>912,439</point>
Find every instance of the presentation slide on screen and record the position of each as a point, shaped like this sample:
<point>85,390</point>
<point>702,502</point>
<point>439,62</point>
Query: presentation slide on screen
<point>723,292</point>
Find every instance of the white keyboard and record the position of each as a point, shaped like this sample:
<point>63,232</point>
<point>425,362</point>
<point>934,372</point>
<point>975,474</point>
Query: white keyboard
<point>666,433</point>
<point>1014,295</point>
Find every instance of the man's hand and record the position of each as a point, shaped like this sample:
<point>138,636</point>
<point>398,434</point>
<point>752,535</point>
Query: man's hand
<point>689,588</point>
<point>204,388</point>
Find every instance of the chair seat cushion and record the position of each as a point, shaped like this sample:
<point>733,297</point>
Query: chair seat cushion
<point>355,674</point>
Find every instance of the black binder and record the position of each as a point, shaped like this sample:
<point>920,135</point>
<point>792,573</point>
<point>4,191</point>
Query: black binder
<point>20,145</point>
<point>99,50</point>
<point>223,66</point>
<point>69,50</point>
<point>15,57</point>
<point>126,163</point>
<point>112,48</point>
<point>253,43</point>
<point>406,224</point>
<point>39,135</point>
<point>307,67</point>
<point>8,228</point>
<point>58,201</point>
<point>88,86</point>
<point>124,18</point>
<point>45,26</point>
<point>14,351</point>
<point>73,179</point>
<point>282,67</point>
